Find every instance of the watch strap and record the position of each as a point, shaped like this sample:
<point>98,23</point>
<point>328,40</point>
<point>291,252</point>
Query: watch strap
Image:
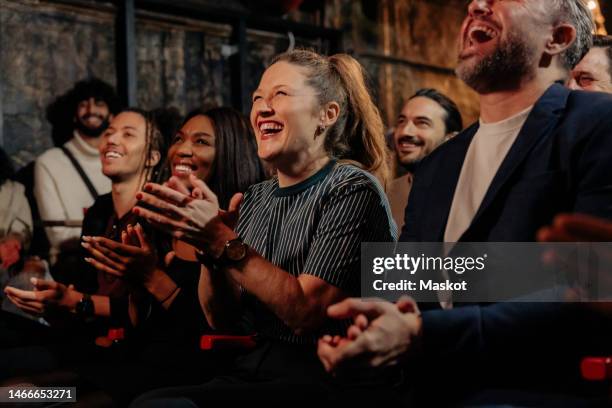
<point>223,260</point>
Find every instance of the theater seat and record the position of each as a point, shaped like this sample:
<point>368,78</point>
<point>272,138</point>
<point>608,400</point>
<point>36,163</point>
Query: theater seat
<point>114,336</point>
<point>222,341</point>
<point>596,368</point>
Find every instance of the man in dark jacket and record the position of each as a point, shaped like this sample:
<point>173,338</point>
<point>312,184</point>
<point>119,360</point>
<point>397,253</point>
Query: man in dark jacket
<point>538,150</point>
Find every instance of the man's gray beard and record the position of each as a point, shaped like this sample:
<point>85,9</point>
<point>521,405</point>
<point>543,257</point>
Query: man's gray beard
<point>505,69</point>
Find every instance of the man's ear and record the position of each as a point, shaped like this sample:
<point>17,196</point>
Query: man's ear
<point>330,114</point>
<point>153,159</point>
<point>563,36</point>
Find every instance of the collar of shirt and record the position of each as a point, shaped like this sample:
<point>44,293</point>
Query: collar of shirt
<point>84,147</point>
<point>507,125</point>
<point>304,185</point>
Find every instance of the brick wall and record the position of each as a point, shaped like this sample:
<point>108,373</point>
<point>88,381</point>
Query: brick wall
<point>45,47</point>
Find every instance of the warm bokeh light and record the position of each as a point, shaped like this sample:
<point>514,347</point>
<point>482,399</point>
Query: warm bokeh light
<point>593,5</point>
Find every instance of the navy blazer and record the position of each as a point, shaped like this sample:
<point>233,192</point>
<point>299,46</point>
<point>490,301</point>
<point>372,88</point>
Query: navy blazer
<point>561,161</point>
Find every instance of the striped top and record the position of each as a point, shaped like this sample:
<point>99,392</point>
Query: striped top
<point>315,227</point>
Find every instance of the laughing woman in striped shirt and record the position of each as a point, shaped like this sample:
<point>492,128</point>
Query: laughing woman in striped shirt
<point>295,248</point>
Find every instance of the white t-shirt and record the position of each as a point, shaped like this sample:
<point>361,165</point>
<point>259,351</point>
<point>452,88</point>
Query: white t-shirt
<point>485,155</point>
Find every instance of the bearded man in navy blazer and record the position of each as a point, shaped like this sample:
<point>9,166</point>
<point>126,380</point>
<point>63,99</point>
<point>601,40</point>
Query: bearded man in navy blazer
<point>538,150</point>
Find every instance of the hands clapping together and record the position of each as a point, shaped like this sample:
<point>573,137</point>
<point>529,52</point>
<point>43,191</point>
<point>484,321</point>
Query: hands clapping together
<point>576,228</point>
<point>194,217</point>
<point>133,259</point>
<point>382,334</point>
<point>46,296</point>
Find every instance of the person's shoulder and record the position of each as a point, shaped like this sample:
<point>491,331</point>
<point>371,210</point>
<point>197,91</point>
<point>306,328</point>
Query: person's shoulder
<point>55,156</point>
<point>15,191</point>
<point>591,96</point>
<point>345,177</point>
<point>15,186</point>
<point>440,153</point>
<point>262,188</point>
<point>50,156</point>
<point>346,172</point>
<point>587,120</point>
<point>592,105</point>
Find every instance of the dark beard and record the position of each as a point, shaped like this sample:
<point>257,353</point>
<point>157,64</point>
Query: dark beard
<point>403,168</point>
<point>91,132</point>
<point>505,69</point>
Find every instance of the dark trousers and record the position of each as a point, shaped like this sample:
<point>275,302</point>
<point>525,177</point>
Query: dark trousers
<point>17,331</point>
<point>277,374</point>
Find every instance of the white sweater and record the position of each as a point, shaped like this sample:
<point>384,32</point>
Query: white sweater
<point>60,192</point>
<point>15,215</point>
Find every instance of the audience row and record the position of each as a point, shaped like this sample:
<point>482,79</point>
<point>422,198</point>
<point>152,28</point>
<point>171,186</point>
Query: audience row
<point>249,232</point>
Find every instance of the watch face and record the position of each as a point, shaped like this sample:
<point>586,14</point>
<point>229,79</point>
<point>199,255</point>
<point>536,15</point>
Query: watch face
<point>236,250</point>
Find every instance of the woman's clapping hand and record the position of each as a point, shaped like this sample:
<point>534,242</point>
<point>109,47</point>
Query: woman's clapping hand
<point>194,217</point>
